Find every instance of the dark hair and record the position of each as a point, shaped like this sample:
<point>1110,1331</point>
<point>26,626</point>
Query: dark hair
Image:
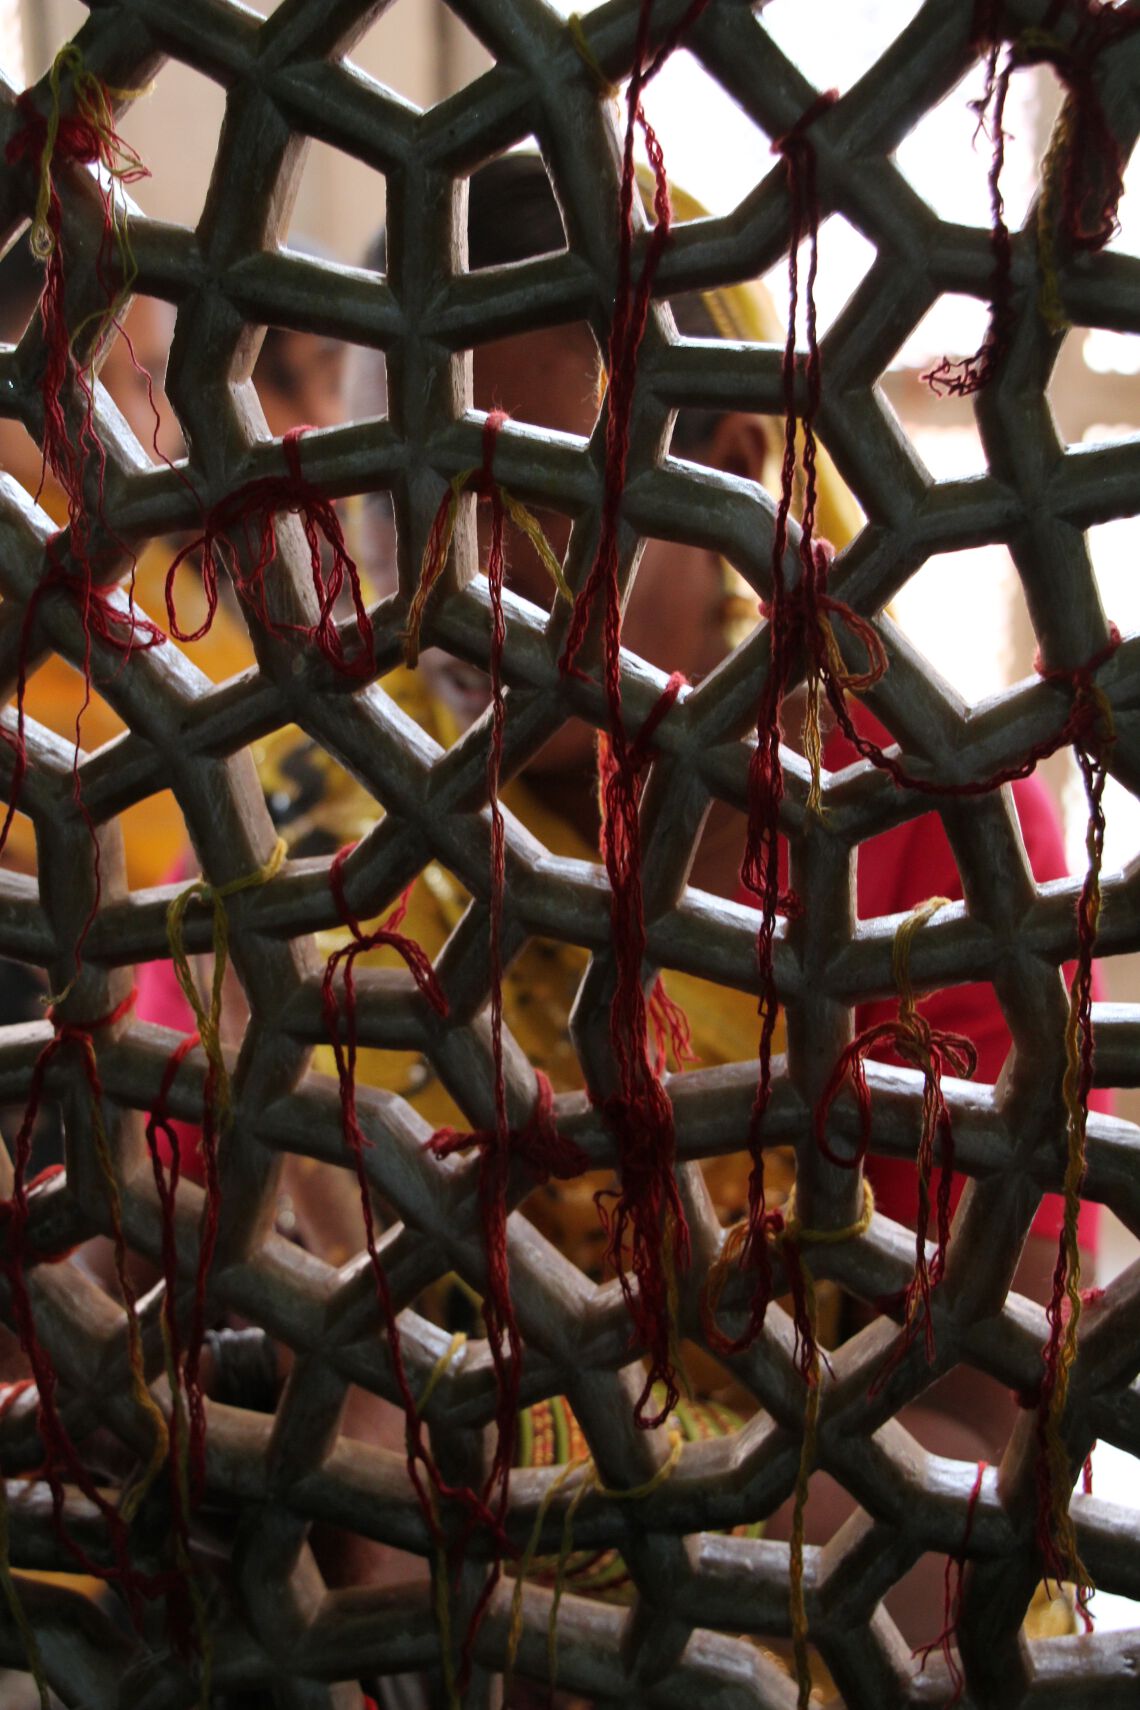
<point>512,215</point>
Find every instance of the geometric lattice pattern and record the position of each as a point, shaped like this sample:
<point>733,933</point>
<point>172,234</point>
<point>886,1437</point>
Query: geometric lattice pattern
<point>704,1596</point>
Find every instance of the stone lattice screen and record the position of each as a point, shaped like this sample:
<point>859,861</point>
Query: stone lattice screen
<point>703,1595</point>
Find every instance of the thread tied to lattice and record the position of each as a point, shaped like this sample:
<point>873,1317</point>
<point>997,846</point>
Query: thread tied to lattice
<point>239,534</point>
<point>933,1052</point>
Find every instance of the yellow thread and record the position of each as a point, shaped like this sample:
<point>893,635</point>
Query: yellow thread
<point>438,547</point>
<point>1059,1479</point>
<point>458,1341</point>
<point>610,91</point>
<point>849,681</point>
<point>794,1230</point>
<point>900,950</point>
<point>730,1251</point>
<point>591,1481</point>
<point>526,1562</point>
<point>32,1654</point>
<point>638,1492</point>
<point>209,1017</point>
<point>181,1472</point>
<point>565,1551</point>
<point>1104,710</point>
<point>813,745</point>
<point>42,237</point>
<point>430,569</point>
<point>93,103</point>
<point>529,525</point>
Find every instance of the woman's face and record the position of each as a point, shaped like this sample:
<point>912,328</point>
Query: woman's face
<point>675,616</point>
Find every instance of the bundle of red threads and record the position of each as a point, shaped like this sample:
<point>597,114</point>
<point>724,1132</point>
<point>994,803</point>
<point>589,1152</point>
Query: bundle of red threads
<point>72,450</point>
<point>647,1231</point>
<point>249,514</point>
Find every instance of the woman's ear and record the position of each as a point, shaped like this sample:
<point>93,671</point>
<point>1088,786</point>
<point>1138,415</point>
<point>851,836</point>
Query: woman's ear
<point>739,446</point>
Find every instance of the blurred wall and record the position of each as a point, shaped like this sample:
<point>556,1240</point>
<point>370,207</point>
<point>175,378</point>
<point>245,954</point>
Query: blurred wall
<point>418,49</point>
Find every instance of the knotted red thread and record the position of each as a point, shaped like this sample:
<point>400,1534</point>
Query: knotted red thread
<point>952,1605</point>
<point>933,1052</point>
<point>1083,717</point>
<point>648,1207</point>
<point>667,1020</point>
<point>342,1034</point>
<point>60,1452</point>
<point>969,374</point>
<point>1084,154</point>
<point>249,513</point>
<point>84,138</point>
<point>481,481</point>
<point>1082,175</point>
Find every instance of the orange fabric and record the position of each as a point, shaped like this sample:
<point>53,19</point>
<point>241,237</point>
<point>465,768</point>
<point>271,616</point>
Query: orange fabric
<point>153,830</point>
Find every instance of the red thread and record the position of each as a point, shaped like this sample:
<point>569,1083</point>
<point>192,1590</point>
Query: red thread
<point>538,1144</point>
<point>787,614</point>
<point>159,1123</point>
<point>964,377</point>
<point>1091,169</point>
<point>99,616</point>
<point>1080,726</point>
<point>933,1052</point>
<point>671,1031</point>
<point>343,1038</point>
<point>249,512</point>
<point>667,1020</point>
<point>79,141</point>
<point>419,1460</point>
<point>84,138</point>
<point>544,1153</point>
<point>648,1212</point>
<point>952,1607</point>
<point>1093,735</point>
<point>59,1450</point>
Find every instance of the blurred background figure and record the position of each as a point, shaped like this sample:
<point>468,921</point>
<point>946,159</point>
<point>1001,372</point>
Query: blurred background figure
<point>299,378</point>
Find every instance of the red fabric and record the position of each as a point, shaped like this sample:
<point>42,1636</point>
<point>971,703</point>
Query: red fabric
<point>895,872</point>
